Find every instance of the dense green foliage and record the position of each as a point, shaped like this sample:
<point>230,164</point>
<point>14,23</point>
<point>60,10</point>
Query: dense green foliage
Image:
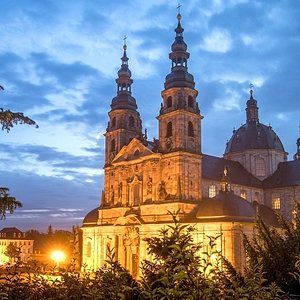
<point>278,252</point>
<point>179,270</point>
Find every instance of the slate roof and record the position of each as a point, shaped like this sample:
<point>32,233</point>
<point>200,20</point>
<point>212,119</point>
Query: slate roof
<point>91,218</point>
<point>253,136</point>
<point>227,207</point>
<point>213,168</point>
<point>287,174</point>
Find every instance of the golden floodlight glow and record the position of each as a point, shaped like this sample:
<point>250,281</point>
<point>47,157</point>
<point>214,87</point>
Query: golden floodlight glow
<point>58,256</point>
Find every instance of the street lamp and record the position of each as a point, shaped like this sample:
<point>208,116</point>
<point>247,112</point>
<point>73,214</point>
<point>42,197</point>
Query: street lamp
<point>58,256</point>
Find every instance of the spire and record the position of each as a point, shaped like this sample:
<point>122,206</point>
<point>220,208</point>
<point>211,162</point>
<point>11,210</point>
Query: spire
<point>252,109</point>
<point>297,155</point>
<point>179,76</point>
<point>124,81</point>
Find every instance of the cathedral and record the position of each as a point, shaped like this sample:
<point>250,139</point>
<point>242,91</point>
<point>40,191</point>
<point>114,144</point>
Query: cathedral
<point>145,180</point>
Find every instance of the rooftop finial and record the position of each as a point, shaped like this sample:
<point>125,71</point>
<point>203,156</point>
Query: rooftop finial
<point>125,46</point>
<point>178,11</point>
<point>251,86</point>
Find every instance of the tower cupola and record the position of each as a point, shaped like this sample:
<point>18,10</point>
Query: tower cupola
<point>252,110</point>
<point>179,76</point>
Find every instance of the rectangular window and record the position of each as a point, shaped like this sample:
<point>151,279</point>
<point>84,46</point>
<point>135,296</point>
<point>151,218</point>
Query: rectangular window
<point>243,194</point>
<point>212,191</point>
<point>276,201</point>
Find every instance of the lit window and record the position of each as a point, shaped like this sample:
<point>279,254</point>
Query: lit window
<point>260,167</point>
<point>212,191</point>
<point>276,202</point>
<point>243,194</point>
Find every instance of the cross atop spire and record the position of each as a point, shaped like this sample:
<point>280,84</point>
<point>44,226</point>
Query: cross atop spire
<point>178,8</point>
<point>124,39</point>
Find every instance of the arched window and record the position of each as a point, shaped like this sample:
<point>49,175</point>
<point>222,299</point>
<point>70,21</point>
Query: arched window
<point>190,129</point>
<point>169,129</point>
<point>260,167</point>
<point>190,101</point>
<point>212,191</point>
<point>89,249</point>
<point>131,121</point>
<point>169,102</point>
<point>113,122</point>
<point>113,145</point>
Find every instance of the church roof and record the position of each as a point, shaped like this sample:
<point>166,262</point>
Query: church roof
<point>253,134</point>
<point>91,218</point>
<point>287,174</point>
<point>226,206</point>
<point>212,168</point>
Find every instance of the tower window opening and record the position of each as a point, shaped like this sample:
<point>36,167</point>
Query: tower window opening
<point>123,86</point>
<point>131,121</point>
<point>113,122</point>
<point>190,101</point>
<point>169,102</point>
<point>190,129</point>
<point>113,145</point>
<point>169,129</point>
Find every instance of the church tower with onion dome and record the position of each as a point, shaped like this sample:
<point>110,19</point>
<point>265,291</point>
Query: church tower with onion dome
<point>124,119</point>
<point>145,180</point>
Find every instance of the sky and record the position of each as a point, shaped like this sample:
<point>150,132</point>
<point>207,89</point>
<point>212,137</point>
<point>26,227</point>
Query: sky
<point>58,65</point>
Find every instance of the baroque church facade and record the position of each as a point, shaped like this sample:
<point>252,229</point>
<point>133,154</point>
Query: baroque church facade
<point>144,180</point>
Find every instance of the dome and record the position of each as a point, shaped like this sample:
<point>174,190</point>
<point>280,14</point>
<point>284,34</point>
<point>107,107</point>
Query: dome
<point>226,206</point>
<point>124,71</point>
<point>91,218</point>
<point>253,136</point>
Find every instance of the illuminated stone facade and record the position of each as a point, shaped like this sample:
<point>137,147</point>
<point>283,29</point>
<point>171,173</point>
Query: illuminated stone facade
<point>12,235</point>
<point>144,180</point>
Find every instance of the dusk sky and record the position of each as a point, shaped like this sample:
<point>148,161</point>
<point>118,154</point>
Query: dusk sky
<point>59,61</point>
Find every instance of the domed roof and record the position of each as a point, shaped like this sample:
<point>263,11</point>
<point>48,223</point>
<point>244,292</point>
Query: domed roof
<point>226,206</point>
<point>91,218</point>
<point>253,134</point>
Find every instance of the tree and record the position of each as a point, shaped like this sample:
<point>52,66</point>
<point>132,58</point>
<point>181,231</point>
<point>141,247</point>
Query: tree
<point>8,118</point>
<point>13,252</point>
<point>7,203</point>
<point>278,252</point>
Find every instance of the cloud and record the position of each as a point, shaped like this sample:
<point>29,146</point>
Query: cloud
<point>218,40</point>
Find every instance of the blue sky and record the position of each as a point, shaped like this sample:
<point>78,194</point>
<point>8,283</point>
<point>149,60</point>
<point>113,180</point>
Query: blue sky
<point>58,64</point>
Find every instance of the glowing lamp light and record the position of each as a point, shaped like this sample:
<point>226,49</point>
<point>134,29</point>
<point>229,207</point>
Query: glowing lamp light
<point>58,256</point>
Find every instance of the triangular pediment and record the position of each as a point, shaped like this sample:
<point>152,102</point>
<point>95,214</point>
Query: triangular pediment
<point>133,150</point>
